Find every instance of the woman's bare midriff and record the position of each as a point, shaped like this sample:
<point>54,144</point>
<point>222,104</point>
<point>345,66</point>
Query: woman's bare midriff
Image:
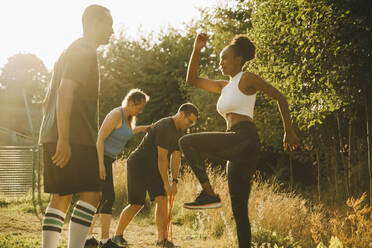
<point>233,119</point>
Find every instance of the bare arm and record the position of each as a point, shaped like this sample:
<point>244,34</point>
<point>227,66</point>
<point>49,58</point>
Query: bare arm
<point>175,168</point>
<point>193,78</point>
<point>175,164</point>
<point>65,96</point>
<point>111,121</point>
<point>163,168</point>
<point>250,80</point>
<point>144,128</point>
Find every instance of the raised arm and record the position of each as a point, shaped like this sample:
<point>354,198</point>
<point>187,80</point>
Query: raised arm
<point>111,121</point>
<point>252,81</point>
<point>65,96</point>
<point>192,76</point>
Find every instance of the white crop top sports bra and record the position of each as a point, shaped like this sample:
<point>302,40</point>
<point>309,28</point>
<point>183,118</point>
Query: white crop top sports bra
<point>232,100</point>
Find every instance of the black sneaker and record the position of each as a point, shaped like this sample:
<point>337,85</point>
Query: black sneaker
<point>165,243</point>
<point>204,201</point>
<point>109,244</point>
<point>90,243</point>
<point>119,240</point>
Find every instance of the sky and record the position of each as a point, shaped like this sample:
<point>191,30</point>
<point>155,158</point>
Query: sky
<point>46,27</point>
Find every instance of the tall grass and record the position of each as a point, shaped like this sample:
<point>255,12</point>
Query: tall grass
<point>277,216</point>
<point>120,183</point>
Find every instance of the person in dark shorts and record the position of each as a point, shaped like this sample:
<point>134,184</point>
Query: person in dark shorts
<point>147,171</point>
<point>239,145</point>
<point>69,132</point>
<point>116,130</point>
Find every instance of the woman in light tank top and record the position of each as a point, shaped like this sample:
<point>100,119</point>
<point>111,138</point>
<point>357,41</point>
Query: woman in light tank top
<point>117,128</point>
<point>239,145</point>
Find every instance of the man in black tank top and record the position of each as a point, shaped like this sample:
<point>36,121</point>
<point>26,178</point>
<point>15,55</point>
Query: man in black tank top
<point>147,171</point>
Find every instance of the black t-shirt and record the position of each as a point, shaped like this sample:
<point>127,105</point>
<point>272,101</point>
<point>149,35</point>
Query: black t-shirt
<point>79,63</point>
<point>164,134</point>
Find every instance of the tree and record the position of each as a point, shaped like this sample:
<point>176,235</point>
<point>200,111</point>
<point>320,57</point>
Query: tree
<point>24,71</point>
<point>318,54</point>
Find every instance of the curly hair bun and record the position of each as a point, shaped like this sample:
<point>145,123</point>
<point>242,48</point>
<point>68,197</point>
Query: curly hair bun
<point>244,47</point>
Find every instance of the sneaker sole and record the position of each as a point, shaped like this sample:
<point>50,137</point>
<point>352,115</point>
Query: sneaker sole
<point>123,246</point>
<point>207,206</point>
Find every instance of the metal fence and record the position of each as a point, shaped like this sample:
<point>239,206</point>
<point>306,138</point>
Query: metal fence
<point>17,164</point>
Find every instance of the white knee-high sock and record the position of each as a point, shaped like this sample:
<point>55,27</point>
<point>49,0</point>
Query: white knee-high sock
<point>81,220</point>
<point>52,227</point>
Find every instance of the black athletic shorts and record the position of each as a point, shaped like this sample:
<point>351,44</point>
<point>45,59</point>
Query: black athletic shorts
<point>81,174</point>
<point>108,192</point>
<point>143,176</point>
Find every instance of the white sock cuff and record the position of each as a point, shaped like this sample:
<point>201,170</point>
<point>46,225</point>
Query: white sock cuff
<point>86,205</point>
<point>55,211</point>
<point>104,241</point>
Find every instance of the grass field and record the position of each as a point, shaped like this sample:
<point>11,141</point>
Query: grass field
<point>20,227</point>
<point>278,218</point>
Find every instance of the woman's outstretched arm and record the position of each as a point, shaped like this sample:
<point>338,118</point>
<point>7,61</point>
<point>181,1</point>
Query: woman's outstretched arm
<point>142,128</point>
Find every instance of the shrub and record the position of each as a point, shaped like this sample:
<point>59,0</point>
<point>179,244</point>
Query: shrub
<point>278,217</point>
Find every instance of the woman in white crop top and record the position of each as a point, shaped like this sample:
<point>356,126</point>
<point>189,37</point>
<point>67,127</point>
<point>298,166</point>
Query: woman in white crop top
<point>239,145</point>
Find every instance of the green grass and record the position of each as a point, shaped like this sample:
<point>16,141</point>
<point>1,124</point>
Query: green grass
<point>24,241</point>
<point>280,218</point>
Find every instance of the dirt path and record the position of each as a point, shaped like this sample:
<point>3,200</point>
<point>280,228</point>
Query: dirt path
<point>20,224</point>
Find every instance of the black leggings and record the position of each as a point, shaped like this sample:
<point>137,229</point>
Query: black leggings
<point>240,146</point>
<point>108,193</point>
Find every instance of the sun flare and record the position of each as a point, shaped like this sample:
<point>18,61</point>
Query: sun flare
<point>45,28</point>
